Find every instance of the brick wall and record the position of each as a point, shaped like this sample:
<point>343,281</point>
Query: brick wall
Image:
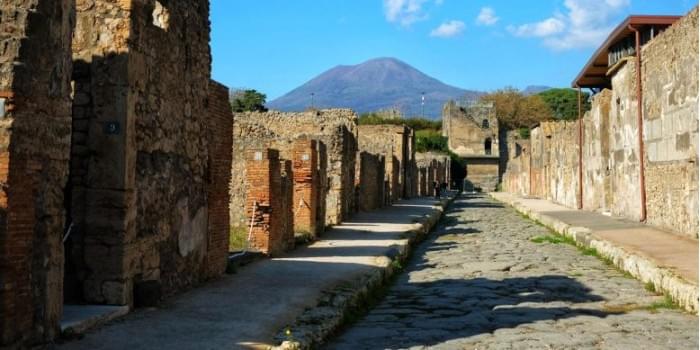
<point>334,130</point>
<point>35,70</point>
<point>264,201</point>
<point>304,203</point>
<point>220,129</point>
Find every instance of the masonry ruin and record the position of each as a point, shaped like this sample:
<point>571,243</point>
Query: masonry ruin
<point>322,146</point>
<point>662,189</point>
<point>473,134</point>
<point>432,167</point>
<point>396,144</point>
<point>111,189</point>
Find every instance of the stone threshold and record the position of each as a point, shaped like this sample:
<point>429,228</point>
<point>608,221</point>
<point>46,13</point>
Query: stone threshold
<point>78,319</point>
<point>665,276</point>
<point>338,305</point>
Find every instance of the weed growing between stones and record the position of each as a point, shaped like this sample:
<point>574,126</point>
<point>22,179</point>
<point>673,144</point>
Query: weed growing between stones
<point>556,238</point>
<point>667,303</point>
<point>238,239</point>
<point>553,239</point>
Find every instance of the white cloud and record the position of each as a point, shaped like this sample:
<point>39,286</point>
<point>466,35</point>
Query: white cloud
<point>406,12</point>
<point>548,27</point>
<point>487,17</point>
<point>448,29</point>
<point>585,23</point>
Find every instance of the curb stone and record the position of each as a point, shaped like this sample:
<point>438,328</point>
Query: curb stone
<point>335,306</point>
<point>681,291</point>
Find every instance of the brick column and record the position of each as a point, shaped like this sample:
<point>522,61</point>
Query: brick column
<point>220,129</point>
<point>304,163</point>
<point>264,187</point>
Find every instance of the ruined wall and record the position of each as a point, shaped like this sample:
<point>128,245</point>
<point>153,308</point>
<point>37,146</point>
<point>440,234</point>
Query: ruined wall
<point>370,177</point>
<point>516,178</point>
<point>265,201</point>
<point>596,154</point>
<point>35,67</point>
<point>546,165</point>
<point>396,144</point>
<point>611,151</point>
<point>468,128</point>
<point>141,169</point>
<point>305,187</point>
<point>336,132</point>
<point>431,167</point>
<point>670,87</point>
<point>561,161</point>
<point>219,130</point>
<point>624,144</point>
<point>482,173</point>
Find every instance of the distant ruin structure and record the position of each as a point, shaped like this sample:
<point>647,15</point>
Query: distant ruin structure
<point>473,134</point>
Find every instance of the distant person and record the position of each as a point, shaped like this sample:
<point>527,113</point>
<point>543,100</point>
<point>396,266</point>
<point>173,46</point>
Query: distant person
<point>436,188</point>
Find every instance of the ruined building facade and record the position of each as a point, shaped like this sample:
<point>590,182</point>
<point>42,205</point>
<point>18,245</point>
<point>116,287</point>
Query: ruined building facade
<point>111,189</point>
<point>657,183</point>
<point>473,134</point>
<point>396,145</point>
<point>321,149</point>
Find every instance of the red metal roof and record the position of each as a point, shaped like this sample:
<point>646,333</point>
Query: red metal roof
<point>594,72</point>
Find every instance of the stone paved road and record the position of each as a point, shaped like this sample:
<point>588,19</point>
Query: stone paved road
<point>481,283</point>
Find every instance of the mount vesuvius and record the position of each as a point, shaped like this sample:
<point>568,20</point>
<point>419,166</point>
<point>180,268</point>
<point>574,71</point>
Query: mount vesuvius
<point>377,84</point>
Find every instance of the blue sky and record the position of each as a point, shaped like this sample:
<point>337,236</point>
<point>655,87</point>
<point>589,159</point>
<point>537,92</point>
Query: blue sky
<point>276,45</point>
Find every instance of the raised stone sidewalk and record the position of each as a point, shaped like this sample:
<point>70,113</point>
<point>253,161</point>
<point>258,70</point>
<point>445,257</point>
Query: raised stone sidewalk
<point>668,261</point>
<point>310,291</point>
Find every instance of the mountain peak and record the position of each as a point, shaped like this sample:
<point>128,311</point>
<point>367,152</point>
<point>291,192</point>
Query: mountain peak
<point>379,83</point>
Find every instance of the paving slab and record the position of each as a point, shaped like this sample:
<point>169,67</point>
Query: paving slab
<point>667,260</point>
<point>250,308</point>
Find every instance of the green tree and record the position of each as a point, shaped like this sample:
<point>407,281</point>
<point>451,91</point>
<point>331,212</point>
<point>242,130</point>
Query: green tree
<point>564,102</point>
<point>515,110</point>
<point>248,100</point>
<point>414,123</point>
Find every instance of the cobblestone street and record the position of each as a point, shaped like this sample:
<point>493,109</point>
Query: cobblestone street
<point>488,278</point>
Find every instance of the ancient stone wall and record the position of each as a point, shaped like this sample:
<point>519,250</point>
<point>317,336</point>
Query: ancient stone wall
<point>624,144</point>
<point>336,132</point>
<point>611,153</point>
<point>144,158</point>
<point>396,143</point>
<point>596,154</point>
<point>561,161</point>
<point>516,178</point>
<point>432,167</point>
<point>370,177</point>
<point>35,66</point>
<point>469,128</point>
<point>670,87</point>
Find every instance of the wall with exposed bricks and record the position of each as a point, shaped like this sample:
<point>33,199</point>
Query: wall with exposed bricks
<point>35,67</point>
